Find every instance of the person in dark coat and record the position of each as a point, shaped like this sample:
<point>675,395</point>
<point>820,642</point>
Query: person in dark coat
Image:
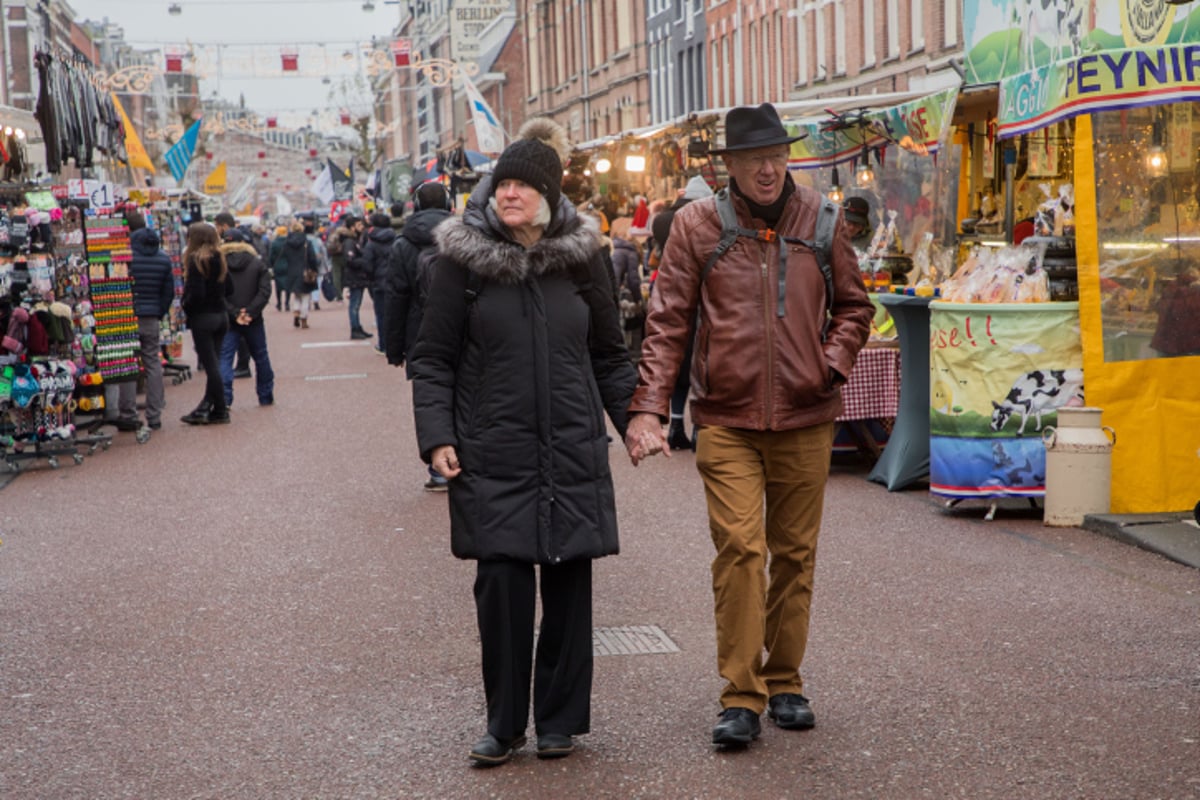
<point>355,275</point>
<point>302,265</point>
<point>376,253</point>
<point>250,294</point>
<point>205,287</point>
<point>626,261</point>
<point>405,288</point>
<point>153,292</point>
<point>279,264</point>
<point>519,356</point>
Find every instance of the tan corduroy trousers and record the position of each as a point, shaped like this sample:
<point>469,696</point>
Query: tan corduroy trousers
<point>765,491</point>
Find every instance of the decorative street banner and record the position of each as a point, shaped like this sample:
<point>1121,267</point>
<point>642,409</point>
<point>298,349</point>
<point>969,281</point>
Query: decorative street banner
<point>138,157</point>
<point>179,156</point>
<point>215,182</point>
<point>998,375</point>
<point>488,133</point>
<point>919,126</point>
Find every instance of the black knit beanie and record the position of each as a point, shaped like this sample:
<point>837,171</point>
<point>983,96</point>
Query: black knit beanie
<point>533,161</point>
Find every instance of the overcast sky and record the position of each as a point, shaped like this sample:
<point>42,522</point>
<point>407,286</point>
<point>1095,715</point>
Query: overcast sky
<point>252,35</point>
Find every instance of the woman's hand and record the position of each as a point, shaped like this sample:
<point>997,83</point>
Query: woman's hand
<point>445,461</point>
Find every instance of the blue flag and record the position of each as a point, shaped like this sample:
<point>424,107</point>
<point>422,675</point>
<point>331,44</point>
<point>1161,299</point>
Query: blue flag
<point>180,154</point>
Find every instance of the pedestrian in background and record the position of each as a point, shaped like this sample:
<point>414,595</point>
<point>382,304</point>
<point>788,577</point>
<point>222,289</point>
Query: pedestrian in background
<point>250,293</point>
<point>406,286</point>
<point>519,354</point>
<point>301,271</point>
<point>279,266</point>
<point>224,223</point>
<point>153,292</point>
<point>337,258</point>
<point>765,404</point>
<point>376,253</point>
<point>355,275</point>
<point>205,288</point>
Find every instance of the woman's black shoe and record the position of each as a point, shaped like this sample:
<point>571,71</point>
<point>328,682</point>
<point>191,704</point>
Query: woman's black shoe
<point>490,751</point>
<point>197,417</point>
<point>554,745</point>
<point>218,417</point>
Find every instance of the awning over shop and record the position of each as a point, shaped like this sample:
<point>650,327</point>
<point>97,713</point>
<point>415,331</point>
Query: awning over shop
<point>919,125</point>
<point>1064,58</point>
<point>915,120</point>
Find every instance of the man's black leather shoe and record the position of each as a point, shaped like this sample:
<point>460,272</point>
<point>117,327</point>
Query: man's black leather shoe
<point>738,726</point>
<point>554,745</point>
<point>791,712</point>
<point>490,751</point>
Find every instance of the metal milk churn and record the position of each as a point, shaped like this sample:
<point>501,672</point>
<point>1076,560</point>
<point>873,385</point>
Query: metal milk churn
<point>1078,466</point>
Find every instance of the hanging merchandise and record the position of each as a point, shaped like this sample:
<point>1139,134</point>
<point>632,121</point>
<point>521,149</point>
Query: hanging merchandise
<point>76,118</point>
<point>108,253</point>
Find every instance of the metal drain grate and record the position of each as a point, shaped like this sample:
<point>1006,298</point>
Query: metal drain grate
<point>632,640</point>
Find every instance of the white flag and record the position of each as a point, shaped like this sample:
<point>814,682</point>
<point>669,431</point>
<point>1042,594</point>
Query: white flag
<point>488,132</point>
<point>283,206</point>
<point>323,186</point>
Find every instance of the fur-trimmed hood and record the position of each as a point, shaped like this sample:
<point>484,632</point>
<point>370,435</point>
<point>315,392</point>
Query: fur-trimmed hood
<point>238,255</point>
<point>483,244</point>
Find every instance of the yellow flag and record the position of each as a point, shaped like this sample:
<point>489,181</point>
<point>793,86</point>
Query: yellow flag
<point>215,182</point>
<point>138,157</point>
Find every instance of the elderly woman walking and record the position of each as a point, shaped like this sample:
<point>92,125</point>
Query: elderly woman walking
<point>519,356</point>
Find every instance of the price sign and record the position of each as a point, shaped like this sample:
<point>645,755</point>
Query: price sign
<point>103,195</point>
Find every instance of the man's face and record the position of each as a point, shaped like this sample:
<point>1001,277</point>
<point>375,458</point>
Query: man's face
<point>759,172</point>
<point>853,228</point>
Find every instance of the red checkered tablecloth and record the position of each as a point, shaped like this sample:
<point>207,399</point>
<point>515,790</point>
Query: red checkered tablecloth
<point>873,388</point>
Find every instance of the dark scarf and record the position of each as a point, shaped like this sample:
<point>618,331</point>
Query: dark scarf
<point>768,214</point>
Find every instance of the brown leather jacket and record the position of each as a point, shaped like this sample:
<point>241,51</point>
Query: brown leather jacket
<point>752,368</point>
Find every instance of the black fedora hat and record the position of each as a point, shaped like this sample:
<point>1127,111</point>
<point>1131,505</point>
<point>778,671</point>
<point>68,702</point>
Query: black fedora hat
<point>747,128</point>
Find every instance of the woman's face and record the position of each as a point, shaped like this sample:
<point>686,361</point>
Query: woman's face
<point>517,203</point>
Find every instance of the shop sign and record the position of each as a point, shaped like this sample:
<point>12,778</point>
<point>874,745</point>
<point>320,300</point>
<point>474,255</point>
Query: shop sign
<point>60,191</point>
<point>1104,81</point>
<point>468,20</point>
<point>1005,38</point>
<point>919,126</point>
<point>993,366</point>
<point>101,194</point>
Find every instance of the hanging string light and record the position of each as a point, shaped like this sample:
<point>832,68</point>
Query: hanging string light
<point>835,189</point>
<point>864,174</point>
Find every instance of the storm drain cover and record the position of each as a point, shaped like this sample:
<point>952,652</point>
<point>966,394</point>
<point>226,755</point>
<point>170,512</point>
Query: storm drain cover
<point>632,640</point>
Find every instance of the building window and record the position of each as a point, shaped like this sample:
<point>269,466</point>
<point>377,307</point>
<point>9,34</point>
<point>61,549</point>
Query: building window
<point>917,14</point>
<point>718,100</point>
<point>950,34</point>
<point>802,49</point>
<point>868,32</point>
<point>893,28</point>
<point>839,37</point>
<point>820,49</point>
<point>756,65</point>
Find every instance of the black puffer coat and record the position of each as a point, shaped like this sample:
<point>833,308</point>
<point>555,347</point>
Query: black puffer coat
<point>518,381</point>
<point>150,268</point>
<point>299,254</point>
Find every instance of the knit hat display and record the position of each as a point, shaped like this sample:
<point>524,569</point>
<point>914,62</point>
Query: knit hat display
<point>536,158</point>
<point>697,189</point>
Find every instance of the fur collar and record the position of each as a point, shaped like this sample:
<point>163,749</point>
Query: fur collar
<point>238,247</point>
<point>492,256</point>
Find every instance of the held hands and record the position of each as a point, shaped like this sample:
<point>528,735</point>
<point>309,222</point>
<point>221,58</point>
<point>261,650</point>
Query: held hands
<point>445,461</point>
<point>243,318</point>
<point>644,437</point>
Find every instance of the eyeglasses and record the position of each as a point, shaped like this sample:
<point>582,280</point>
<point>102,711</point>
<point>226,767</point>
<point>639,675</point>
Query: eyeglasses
<point>778,159</point>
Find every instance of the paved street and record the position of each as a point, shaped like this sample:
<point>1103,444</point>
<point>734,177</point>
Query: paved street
<point>269,609</point>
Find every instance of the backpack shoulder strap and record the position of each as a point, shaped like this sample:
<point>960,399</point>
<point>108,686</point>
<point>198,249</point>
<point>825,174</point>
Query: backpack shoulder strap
<point>730,231</point>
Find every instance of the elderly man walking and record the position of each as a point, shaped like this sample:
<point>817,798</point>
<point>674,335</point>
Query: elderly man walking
<point>779,314</point>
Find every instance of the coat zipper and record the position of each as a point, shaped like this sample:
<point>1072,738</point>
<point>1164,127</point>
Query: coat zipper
<point>767,309</point>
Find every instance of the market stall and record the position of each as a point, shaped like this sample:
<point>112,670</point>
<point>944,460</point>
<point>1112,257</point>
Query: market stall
<point>1117,89</point>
